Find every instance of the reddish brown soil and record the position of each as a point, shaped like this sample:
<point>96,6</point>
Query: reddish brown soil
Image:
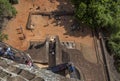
<point>40,32</point>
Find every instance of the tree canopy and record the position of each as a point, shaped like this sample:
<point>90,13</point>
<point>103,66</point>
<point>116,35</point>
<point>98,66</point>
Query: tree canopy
<point>6,9</point>
<point>98,13</point>
<point>13,1</point>
<point>102,14</point>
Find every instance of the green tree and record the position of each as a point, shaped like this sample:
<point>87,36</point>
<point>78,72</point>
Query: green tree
<point>98,13</point>
<point>13,1</point>
<point>102,14</point>
<point>114,45</point>
<point>6,9</point>
<point>3,37</point>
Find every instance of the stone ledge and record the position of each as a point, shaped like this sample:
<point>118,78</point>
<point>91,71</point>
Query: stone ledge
<point>29,73</point>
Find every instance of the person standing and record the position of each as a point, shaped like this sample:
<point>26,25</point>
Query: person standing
<point>9,53</point>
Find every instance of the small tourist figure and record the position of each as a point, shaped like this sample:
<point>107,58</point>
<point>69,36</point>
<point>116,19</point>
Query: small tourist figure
<point>53,52</point>
<point>9,53</point>
<point>29,63</point>
<point>52,46</point>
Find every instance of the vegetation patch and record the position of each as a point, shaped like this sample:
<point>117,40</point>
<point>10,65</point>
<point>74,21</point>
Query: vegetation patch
<point>13,1</point>
<point>102,14</point>
<point>6,11</point>
<point>114,46</point>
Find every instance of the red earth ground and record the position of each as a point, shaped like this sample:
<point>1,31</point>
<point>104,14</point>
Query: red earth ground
<point>62,29</point>
<point>40,32</point>
<point>23,9</point>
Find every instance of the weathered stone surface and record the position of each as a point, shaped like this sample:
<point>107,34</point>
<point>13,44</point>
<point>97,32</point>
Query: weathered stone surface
<point>15,79</point>
<point>1,79</point>
<point>45,74</point>
<point>3,63</point>
<point>3,74</point>
<point>14,69</point>
<point>27,74</point>
<point>38,79</point>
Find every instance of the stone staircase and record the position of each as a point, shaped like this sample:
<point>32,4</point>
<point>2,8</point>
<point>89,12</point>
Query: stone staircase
<point>11,71</point>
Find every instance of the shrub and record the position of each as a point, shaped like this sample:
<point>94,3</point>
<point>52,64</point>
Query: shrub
<point>14,1</point>
<point>114,45</point>
<point>3,36</point>
<point>6,9</point>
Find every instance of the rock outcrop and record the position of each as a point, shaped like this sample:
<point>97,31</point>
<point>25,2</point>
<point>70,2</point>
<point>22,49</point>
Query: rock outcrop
<point>11,71</point>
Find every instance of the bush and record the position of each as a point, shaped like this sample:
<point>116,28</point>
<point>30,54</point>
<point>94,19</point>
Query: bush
<point>102,14</point>
<point>6,9</point>
<point>14,1</point>
<point>117,64</point>
<point>3,37</point>
<point>14,12</point>
<point>114,45</point>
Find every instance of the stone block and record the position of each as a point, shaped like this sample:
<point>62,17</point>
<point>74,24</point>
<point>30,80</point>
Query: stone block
<point>27,75</point>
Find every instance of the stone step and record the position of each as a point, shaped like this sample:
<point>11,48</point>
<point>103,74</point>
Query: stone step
<point>16,78</point>
<point>27,75</point>
<point>1,79</point>
<point>15,70</point>
<point>3,64</point>
<point>7,70</point>
<point>11,71</point>
<point>38,79</point>
<point>69,45</point>
<point>6,75</point>
<point>3,73</point>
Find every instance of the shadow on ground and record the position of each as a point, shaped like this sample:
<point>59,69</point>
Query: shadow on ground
<point>72,26</point>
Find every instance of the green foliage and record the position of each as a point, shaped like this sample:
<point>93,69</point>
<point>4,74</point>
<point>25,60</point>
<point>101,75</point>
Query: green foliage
<point>99,14</point>
<point>3,37</point>
<point>14,12</point>
<point>6,9</point>
<point>14,1</point>
<point>82,7</point>
<point>114,43</point>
